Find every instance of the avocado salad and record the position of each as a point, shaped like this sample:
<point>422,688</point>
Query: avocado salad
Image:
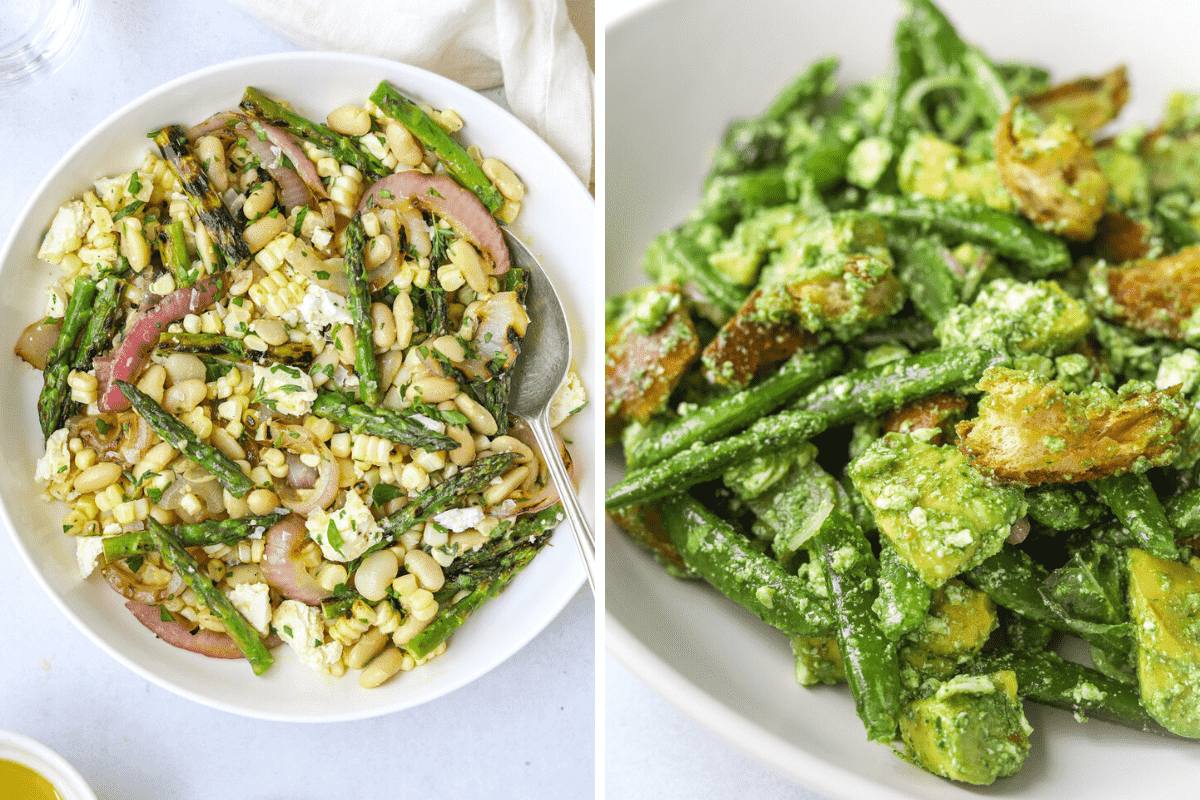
<point>917,383</point>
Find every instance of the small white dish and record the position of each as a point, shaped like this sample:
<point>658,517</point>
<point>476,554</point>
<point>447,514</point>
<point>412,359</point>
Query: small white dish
<point>557,222</point>
<point>50,765</point>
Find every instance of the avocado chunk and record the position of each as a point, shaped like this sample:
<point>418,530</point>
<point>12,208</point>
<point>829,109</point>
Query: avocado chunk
<point>755,238</point>
<point>818,660</point>
<point>940,170</point>
<point>971,729</point>
<point>940,513</point>
<point>959,623</point>
<point>1164,602</point>
<point>1017,318</point>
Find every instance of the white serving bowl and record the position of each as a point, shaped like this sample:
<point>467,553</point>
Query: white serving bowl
<point>47,763</point>
<point>676,74</point>
<point>557,222</point>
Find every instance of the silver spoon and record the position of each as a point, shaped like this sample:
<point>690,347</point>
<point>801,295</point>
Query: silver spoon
<point>541,369</point>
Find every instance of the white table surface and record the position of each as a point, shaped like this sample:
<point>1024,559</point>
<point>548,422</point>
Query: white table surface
<point>652,749</point>
<point>525,730</point>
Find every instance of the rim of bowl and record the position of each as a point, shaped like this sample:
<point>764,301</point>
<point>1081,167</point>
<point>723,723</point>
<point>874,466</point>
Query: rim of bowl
<point>49,764</point>
<point>543,614</point>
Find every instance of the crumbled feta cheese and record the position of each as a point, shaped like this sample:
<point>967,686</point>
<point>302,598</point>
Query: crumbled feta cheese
<point>66,232</point>
<point>287,389</point>
<point>111,190</point>
<point>460,519</point>
<point>569,399</point>
<point>253,601</point>
<point>321,237</point>
<point>88,550</point>
<point>56,301</point>
<point>236,321</point>
<point>301,627</point>
<point>345,534</point>
<point>57,459</point>
<point>319,309</point>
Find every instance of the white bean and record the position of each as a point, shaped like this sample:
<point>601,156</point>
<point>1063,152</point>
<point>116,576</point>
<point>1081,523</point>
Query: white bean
<point>375,575</point>
<point>350,120</point>
<point>184,367</point>
<point>98,477</point>
<point>428,572</point>
<point>382,667</point>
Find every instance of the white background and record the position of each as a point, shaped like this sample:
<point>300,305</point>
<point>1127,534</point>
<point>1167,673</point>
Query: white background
<point>524,730</point>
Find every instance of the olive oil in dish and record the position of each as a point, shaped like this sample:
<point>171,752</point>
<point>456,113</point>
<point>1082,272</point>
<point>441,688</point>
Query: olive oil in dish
<point>19,782</point>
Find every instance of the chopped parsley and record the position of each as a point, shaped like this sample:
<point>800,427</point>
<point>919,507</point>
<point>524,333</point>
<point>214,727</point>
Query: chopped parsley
<point>334,536</point>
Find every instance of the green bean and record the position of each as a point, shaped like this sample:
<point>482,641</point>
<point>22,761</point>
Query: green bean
<point>1044,677</point>
<point>1183,512</point>
<point>1026,634</point>
<point>904,598</point>
<point>728,561</point>
<point>810,87</point>
<point>872,669</point>
<point>872,391</point>
<point>846,398</point>
<point>679,256</point>
<point>239,630</point>
<point>702,462</point>
<point>728,198</point>
<point>180,437</point>
<point>932,287</point>
<point>1132,499</point>
<point>1177,227</point>
<point>1063,507</point>
<point>1006,235</point>
<point>735,411</point>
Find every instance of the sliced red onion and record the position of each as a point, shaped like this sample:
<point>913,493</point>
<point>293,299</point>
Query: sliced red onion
<point>221,121</point>
<point>953,263</point>
<point>282,568</point>
<point>300,475</point>
<point>548,495</point>
<point>151,320</point>
<point>1020,529</point>
<point>500,316</point>
<point>441,195</point>
<point>207,643</point>
<point>292,189</point>
<point>127,585</point>
<point>300,441</point>
<point>305,168</point>
<point>36,341</point>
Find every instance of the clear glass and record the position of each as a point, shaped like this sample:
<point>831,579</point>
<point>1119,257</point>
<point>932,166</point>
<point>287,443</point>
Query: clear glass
<point>36,36</point>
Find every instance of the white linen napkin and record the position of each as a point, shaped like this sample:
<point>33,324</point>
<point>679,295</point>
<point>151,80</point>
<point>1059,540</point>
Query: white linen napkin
<point>528,46</point>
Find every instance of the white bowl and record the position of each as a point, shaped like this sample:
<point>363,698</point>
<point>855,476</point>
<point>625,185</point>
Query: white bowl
<point>557,222</point>
<point>676,74</point>
<point>47,763</point>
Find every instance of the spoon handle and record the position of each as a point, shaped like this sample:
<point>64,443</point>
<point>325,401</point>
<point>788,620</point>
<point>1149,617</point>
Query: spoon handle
<point>566,491</point>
